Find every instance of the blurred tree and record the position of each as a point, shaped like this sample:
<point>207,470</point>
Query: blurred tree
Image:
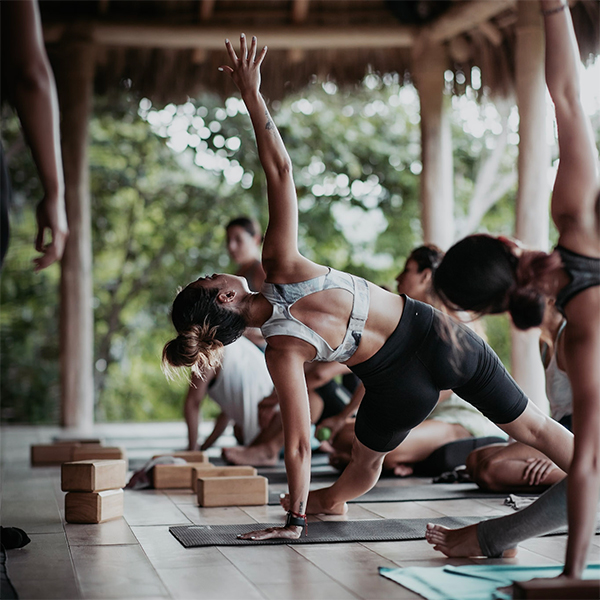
<point>165,181</point>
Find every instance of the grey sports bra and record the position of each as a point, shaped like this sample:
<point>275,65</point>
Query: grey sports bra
<point>584,272</point>
<point>283,296</point>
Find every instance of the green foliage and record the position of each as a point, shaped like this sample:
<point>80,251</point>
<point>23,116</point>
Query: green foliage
<point>165,181</point>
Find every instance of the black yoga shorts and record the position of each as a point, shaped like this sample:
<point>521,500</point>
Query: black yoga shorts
<point>404,378</point>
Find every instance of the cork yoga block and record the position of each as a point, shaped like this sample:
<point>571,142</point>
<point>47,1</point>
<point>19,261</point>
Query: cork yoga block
<point>93,475</point>
<point>96,441</point>
<point>194,456</point>
<point>93,507</point>
<point>220,472</point>
<point>56,454</point>
<point>232,491</point>
<point>90,452</point>
<point>177,476</point>
<point>547,589</point>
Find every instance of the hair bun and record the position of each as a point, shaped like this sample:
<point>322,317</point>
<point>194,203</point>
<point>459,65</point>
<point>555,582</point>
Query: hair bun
<point>526,306</point>
<point>195,347</point>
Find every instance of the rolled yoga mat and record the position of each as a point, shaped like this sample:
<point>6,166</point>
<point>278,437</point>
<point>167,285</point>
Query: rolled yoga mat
<point>321,532</point>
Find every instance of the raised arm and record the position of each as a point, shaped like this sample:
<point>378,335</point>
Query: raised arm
<point>576,185</point>
<point>280,249</point>
<point>31,85</point>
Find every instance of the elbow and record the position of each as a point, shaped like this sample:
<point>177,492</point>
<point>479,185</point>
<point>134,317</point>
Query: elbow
<point>33,79</point>
<point>284,168</point>
<point>298,451</point>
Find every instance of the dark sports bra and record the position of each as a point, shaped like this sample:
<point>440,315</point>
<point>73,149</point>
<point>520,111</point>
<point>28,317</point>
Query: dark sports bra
<point>584,272</point>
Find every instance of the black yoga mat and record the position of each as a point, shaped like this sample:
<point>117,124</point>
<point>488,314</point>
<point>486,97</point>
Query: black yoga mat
<point>415,493</point>
<point>324,532</point>
<point>376,530</point>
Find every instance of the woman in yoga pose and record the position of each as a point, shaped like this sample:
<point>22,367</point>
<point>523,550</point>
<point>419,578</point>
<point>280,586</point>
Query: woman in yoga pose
<point>310,312</point>
<point>492,275</point>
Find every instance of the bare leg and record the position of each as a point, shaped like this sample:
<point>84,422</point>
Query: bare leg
<point>263,451</point>
<point>359,477</point>
<point>424,439</point>
<point>513,468</point>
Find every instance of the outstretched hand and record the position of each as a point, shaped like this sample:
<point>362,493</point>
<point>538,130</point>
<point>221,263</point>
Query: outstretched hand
<point>246,69</point>
<point>50,214</point>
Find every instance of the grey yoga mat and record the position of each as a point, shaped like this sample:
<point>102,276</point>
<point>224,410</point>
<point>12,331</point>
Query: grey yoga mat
<point>415,493</point>
<point>321,532</point>
<point>376,530</point>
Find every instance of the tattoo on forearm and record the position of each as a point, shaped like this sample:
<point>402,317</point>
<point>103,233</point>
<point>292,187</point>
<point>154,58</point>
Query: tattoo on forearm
<point>270,125</point>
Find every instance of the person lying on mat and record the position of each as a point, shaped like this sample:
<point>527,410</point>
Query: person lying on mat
<point>400,348</point>
<point>493,275</point>
<point>452,419</point>
<point>515,467</point>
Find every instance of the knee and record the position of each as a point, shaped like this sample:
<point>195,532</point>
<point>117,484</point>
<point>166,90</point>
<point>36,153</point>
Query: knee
<point>486,473</point>
<point>366,459</point>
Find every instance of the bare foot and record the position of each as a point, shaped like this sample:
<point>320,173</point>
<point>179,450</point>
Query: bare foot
<point>458,542</point>
<point>256,456</point>
<point>317,504</point>
<point>402,470</point>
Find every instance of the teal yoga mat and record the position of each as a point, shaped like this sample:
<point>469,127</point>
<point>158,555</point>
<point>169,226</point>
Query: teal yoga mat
<point>471,582</point>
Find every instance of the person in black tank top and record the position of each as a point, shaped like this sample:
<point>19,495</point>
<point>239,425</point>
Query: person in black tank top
<point>493,275</point>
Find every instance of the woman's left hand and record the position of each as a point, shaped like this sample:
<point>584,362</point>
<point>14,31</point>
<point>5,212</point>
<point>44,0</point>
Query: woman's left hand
<point>246,69</point>
<point>292,532</point>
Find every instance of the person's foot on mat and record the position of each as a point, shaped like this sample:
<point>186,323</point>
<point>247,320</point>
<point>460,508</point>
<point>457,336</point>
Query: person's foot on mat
<point>317,504</point>
<point>461,542</point>
<point>13,537</point>
<point>255,456</point>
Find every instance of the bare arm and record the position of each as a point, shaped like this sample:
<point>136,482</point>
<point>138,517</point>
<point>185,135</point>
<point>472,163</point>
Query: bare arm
<point>336,422</point>
<point>280,254</point>
<point>320,373</point>
<point>191,409</point>
<point>576,185</point>
<point>582,354</point>
<point>221,423</point>
<point>33,91</point>
<point>285,360</point>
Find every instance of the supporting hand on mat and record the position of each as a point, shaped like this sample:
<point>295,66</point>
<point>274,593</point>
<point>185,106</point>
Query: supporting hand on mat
<point>291,532</point>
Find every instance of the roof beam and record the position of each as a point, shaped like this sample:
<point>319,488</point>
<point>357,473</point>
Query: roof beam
<point>464,16</point>
<point>277,38</point>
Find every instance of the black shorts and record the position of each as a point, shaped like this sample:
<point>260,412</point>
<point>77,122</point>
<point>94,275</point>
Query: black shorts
<point>404,378</point>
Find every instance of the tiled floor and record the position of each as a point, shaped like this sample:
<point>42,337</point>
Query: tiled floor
<point>137,557</point>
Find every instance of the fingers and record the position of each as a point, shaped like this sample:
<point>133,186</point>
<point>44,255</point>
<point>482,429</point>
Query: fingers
<point>226,69</point>
<point>261,57</point>
<point>231,51</point>
<point>252,52</point>
<point>39,239</point>
<point>243,47</point>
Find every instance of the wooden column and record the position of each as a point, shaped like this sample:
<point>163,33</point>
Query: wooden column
<point>532,217</point>
<point>437,189</point>
<point>74,74</point>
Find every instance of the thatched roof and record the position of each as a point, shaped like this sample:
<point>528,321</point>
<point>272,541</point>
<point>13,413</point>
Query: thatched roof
<point>169,50</point>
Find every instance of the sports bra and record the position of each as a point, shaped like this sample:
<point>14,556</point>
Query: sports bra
<point>282,296</point>
<point>584,272</point>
